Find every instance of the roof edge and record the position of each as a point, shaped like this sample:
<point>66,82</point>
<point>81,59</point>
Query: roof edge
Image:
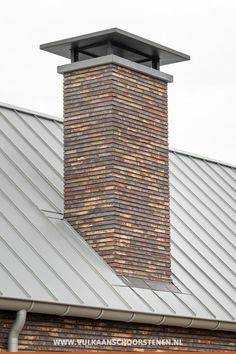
<point>200,157</point>
<point>32,112</point>
<point>115,315</point>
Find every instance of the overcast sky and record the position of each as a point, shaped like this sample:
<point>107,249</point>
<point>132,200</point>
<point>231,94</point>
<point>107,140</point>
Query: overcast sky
<point>202,99</point>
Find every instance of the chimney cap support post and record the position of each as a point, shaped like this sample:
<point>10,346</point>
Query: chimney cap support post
<point>117,42</point>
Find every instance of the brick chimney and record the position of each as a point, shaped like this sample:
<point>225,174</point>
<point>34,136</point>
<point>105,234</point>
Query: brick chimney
<point>116,148</point>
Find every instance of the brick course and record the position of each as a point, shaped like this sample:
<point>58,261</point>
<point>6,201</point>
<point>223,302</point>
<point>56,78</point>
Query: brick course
<point>40,330</point>
<point>116,167</point>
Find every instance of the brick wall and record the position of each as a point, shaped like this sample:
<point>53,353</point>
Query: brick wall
<point>116,167</point>
<point>40,330</point>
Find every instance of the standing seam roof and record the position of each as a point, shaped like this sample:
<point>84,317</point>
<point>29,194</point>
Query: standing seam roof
<point>43,259</point>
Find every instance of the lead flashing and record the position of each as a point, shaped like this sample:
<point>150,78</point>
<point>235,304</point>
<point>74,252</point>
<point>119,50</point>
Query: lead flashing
<point>114,59</point>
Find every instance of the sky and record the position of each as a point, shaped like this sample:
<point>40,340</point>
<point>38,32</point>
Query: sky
<point>202,98</point>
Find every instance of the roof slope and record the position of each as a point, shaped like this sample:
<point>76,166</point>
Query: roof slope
<point>42,259</point>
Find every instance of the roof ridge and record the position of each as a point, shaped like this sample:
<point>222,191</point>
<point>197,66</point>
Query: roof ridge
<point>200,157</point>
<point>29,111</point>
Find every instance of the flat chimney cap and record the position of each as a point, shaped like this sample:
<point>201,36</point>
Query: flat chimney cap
<point>118,42</point>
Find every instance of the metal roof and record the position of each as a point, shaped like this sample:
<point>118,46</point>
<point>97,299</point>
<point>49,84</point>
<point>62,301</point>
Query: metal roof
<point>42,259</point>
<point>132,47</point>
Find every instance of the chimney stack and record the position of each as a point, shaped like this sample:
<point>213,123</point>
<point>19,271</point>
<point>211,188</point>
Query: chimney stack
<point>116,178</point>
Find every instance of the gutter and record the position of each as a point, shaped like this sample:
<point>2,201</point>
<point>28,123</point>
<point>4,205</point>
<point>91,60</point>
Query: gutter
<point>115,315</point>
<point>15,330</point>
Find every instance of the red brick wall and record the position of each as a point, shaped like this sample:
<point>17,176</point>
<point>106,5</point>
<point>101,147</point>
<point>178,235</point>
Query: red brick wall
<point>116,167</point>
<point>40,330</point>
